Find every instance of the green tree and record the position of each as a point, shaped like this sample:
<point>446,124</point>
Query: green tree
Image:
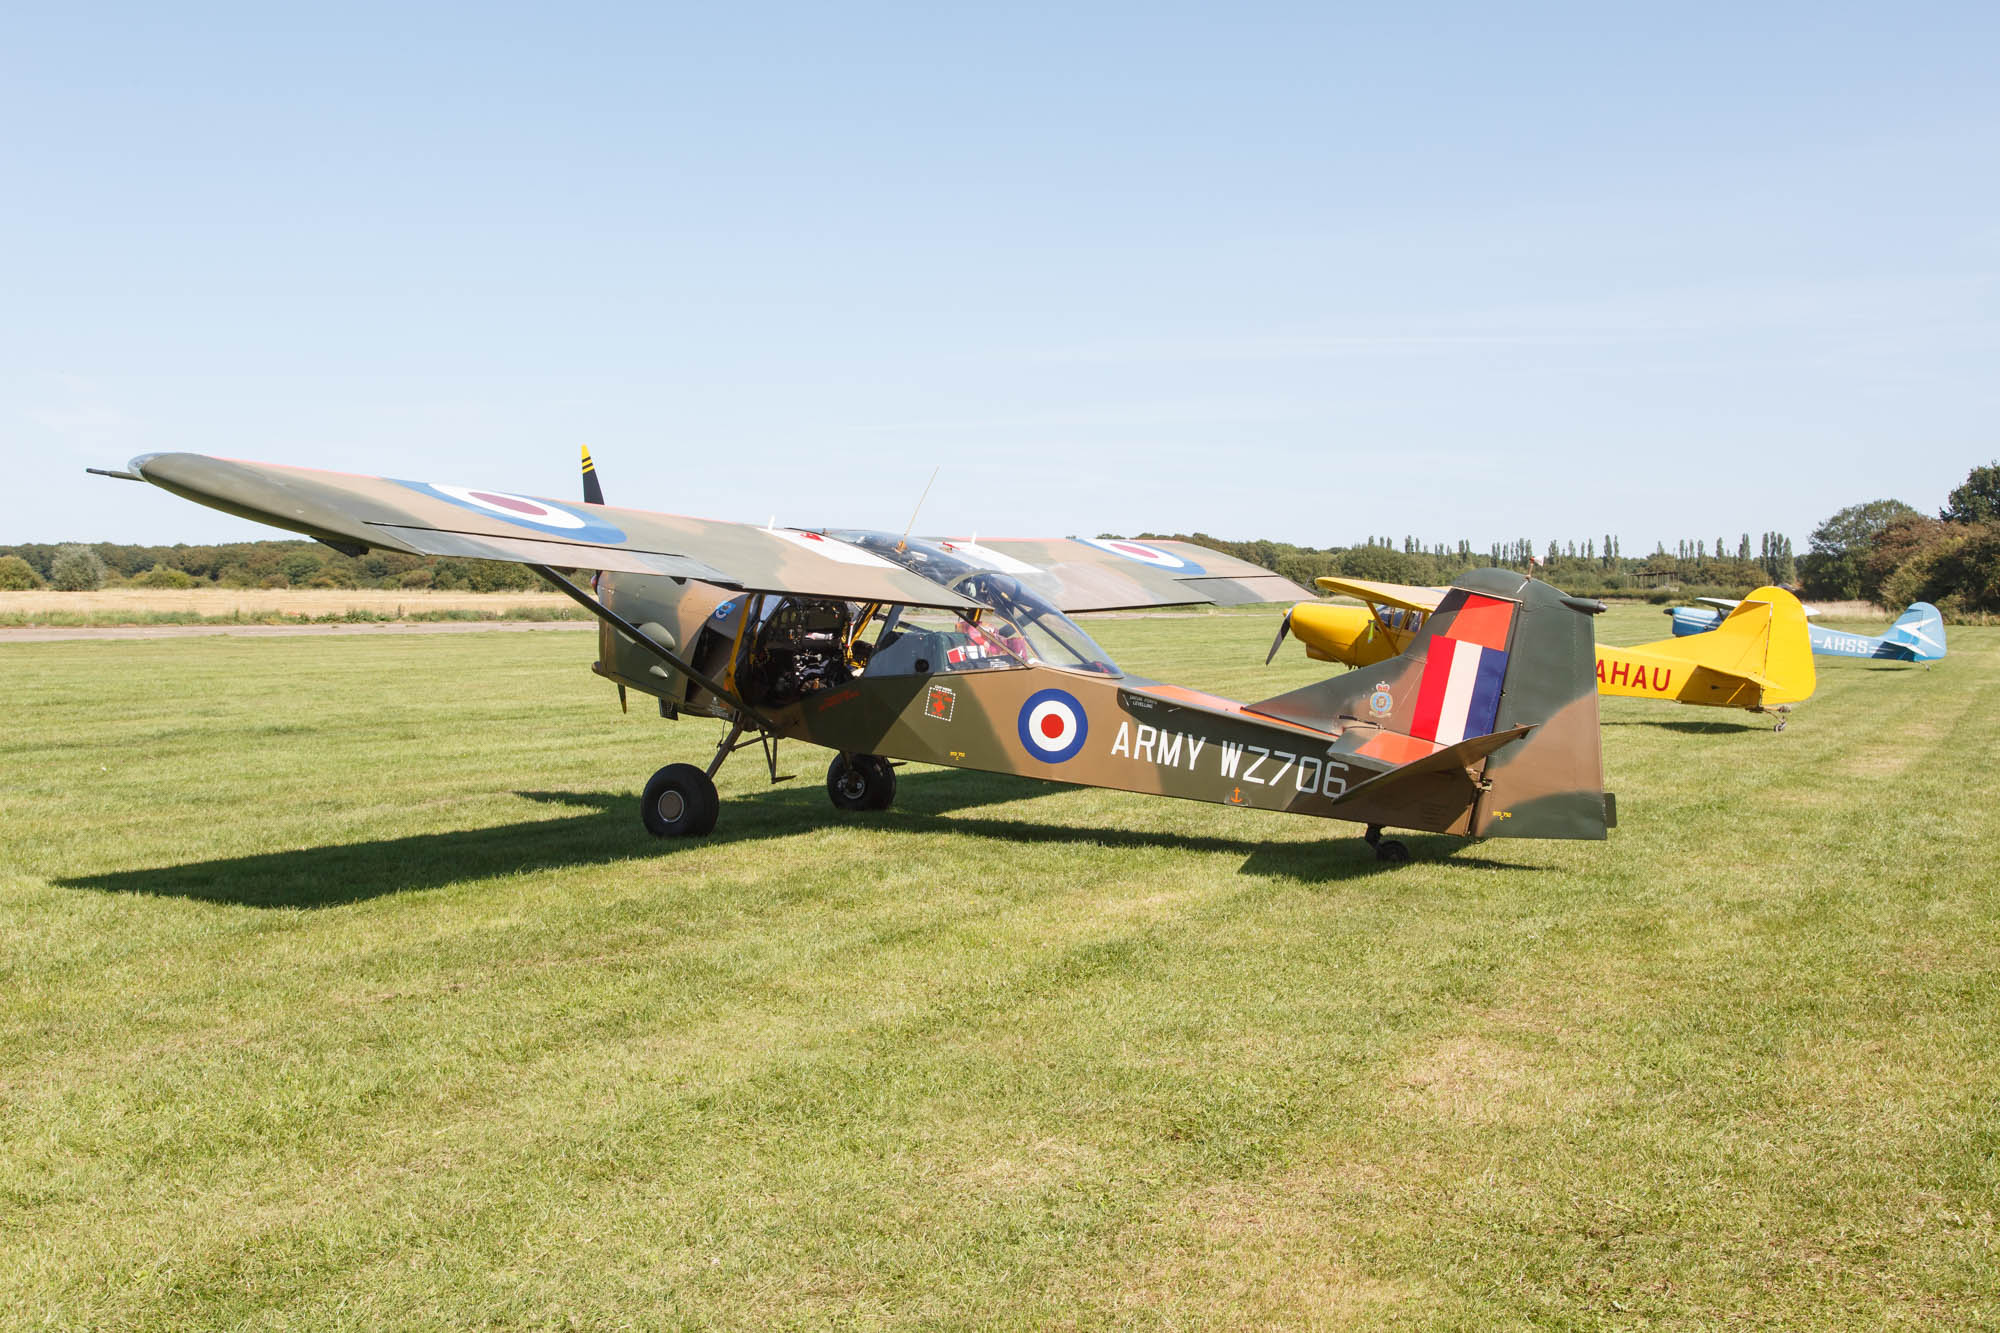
<point>1374,562</point>
<point>17,575</point>
<point>299,566</point>
<point>76,569</point>
<point>1832,567</point>
<point>1978,500</point>
<point>164,576</point>
<point>1900,542</point>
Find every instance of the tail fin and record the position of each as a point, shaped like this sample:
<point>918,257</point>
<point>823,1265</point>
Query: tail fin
<point>593,493</point>
<point>1502,653</point>
<point>1920,630</point>
<point>1765,641</point>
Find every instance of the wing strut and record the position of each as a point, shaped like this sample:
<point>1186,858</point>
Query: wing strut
<point>638,636</point>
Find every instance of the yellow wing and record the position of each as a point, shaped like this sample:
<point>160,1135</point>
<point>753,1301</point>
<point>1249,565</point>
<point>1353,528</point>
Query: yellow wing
<point>1400,595</point>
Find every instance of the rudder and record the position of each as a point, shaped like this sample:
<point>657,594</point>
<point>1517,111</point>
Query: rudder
<point>1500,652</point>
<point>1920,631</point>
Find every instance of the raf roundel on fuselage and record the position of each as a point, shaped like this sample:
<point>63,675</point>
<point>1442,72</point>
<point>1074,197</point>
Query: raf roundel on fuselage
<point>1053,725</point>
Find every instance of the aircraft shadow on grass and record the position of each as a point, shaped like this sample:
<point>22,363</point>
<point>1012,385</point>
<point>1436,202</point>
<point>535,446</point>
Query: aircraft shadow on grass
<point>1688,728</point>
<point>331,876</point>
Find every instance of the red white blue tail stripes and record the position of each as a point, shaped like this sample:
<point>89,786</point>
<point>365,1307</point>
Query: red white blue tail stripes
<point>1464,667</point>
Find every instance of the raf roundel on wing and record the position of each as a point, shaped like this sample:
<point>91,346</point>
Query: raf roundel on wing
<point>1144,554</point>
<point>541,515</point>
<point>1053,726</point>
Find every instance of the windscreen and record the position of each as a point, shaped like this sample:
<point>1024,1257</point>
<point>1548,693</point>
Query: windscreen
<point>1019,620</point>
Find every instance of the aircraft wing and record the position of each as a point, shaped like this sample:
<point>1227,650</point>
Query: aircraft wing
<point>1112,574</point>
<point>353,513</point>
<point>1730,604</point>
<point>1400,595</point>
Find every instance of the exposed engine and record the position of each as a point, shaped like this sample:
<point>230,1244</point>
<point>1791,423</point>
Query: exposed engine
<point>800,648</point>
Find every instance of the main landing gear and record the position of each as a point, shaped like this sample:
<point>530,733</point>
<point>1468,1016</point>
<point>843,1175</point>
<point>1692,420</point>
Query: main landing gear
<point>1387,850</point>
<point>680,802</point>
<point>860,782</point>
<point>680,799</point>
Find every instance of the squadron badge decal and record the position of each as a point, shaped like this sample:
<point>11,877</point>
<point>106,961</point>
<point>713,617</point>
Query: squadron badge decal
<point>1053,726</point>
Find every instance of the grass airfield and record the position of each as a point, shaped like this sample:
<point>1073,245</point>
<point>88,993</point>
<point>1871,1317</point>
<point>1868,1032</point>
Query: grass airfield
<point>342,988</point>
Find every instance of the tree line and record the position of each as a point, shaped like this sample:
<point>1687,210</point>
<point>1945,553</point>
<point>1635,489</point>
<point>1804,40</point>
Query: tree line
<point>1882,551</point>
<point>1588,567</point>
<point>1888,552</point>
<point>78,566</point>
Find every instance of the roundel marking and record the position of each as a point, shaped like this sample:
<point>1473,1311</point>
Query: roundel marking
<point>1144,554</point>
<point>1053,726</point>
<point>541,515</point>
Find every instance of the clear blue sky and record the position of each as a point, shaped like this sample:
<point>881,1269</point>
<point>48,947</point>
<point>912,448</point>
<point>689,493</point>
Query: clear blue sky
<point>1308,272</point>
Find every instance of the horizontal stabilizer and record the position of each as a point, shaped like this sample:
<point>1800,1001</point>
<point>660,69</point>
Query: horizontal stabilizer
<point>1462,755</point>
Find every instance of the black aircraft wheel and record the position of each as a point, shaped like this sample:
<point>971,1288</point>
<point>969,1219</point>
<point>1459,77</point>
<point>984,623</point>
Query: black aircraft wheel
<point>860,782</point>
<point>1392,853</point>
<point>680,802</point>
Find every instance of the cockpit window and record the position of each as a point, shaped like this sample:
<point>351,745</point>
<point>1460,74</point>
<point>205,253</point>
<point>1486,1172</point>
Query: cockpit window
<point>1020,625</point>
<point>1031,626</point>
<point>921,641</point>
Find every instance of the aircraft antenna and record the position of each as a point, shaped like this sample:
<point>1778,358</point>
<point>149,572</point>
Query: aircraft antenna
<point>920,505</point>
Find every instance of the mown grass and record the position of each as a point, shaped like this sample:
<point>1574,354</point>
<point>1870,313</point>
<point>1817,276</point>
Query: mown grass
<point>341,988</point>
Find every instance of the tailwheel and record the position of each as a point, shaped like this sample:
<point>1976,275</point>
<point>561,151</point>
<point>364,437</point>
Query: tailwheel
<point>860,782</point>
<point>680,802</point>
<point>1387,850</point>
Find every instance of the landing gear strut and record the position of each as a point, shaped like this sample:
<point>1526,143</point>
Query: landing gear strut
<point>1387,850</point>
<point>680,802</point>
<point>860,782</point>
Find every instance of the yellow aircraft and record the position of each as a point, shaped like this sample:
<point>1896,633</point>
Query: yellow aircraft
<point>1759,658</point>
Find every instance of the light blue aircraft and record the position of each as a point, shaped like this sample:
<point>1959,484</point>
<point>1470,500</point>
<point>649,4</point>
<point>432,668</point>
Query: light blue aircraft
<point>1917,635</point>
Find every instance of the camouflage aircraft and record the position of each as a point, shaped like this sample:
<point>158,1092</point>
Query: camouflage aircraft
<point>963,653</point>
<point>1757,657</point>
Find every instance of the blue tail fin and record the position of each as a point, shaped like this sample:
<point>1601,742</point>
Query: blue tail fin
<point>1920,629</point>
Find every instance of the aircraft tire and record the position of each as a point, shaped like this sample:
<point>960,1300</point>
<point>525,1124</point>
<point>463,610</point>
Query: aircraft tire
<point>860,782</point>
<point>1392,853</point>
<point>679,802</point>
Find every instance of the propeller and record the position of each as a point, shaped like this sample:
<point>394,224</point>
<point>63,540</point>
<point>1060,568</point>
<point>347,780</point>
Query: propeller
<point>1284,628</point>
<point>593,491</point>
